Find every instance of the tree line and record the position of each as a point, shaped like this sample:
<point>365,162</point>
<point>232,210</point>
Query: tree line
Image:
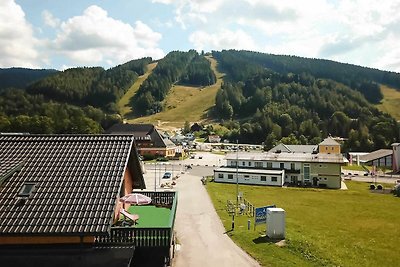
<point>91,86</point>
<point>273,107</point>
<point>359,78</point>
<point>22,112</point>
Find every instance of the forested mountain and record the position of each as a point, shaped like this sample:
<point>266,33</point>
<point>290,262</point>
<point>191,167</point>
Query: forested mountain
<point>91,86</point>
<point>185,67</point>
<point>359,78</point>
<point>22,112</point>
<point>21,77</point>
<point>78,100</point>
<point>264,98</point>
<point>296,108</point>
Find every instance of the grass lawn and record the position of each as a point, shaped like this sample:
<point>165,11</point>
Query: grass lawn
<point>151,216</point>
<point>323,227</point>
<point>355,167</point>
<point>391,101</point>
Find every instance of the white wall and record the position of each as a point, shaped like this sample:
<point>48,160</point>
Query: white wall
<point>254,179</point>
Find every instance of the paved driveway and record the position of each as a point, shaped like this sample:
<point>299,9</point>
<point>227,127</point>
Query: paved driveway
<point>199,230</point>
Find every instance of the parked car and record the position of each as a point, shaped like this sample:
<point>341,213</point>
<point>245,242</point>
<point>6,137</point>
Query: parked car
<point>167,175</point>
<point>200,157</point>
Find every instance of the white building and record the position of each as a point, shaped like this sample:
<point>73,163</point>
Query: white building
<point>276,168</point>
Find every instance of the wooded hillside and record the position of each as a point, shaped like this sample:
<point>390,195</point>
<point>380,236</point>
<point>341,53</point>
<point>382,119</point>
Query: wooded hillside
<point>296,108</point>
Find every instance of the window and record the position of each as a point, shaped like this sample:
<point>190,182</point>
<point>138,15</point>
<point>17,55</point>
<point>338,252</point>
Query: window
<point>233,163</point>
<point>26,190</point>
<point>258,164</point>
<point>306,171</point>
<point>249,163</point>
<point>274,179</point>
<point>243,163</point>
<point>292,166</point>
<point>230,176</point>
<point>263,178</point>
<point>269,165</point>
<point>282,166</point>
<point>220,175</point>
<point>246,176</point>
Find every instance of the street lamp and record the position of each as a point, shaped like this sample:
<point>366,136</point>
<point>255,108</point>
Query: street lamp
<point>237,184</point>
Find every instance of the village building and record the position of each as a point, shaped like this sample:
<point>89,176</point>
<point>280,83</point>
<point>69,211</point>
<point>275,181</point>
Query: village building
<point>213,138</point>
<point>60,202</point>
<point>301,165</point>
<point>149,141</point>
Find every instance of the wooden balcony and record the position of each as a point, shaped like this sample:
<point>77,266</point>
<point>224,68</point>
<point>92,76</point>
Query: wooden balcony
<point>145,236</point>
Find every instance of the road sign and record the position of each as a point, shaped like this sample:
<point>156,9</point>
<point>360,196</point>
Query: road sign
<point>260,214</point>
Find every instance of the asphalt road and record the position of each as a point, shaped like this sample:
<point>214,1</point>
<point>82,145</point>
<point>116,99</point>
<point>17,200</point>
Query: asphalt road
<point>199,230</point>
<point>201,236</point>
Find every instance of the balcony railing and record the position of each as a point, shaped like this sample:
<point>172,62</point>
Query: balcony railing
<point>144,237</point>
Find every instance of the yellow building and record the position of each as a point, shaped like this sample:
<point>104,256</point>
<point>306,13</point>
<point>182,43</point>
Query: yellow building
<point>329,146</point>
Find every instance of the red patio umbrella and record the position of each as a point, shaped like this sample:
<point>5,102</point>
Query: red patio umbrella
<point>135,199</point>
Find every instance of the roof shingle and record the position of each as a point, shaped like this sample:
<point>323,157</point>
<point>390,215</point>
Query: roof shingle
<point>77,180</point>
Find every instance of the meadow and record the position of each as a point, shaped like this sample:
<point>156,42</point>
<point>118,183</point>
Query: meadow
<point>185,103</point>
<point>391,101</point>
<point>324,227</point>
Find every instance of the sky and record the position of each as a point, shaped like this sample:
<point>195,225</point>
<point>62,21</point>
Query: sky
<point>64,34</point>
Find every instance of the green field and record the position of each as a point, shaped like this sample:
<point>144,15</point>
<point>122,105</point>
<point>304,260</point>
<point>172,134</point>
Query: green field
<point>391,101</point>
<point>185,103</point>
<point>323,227</point>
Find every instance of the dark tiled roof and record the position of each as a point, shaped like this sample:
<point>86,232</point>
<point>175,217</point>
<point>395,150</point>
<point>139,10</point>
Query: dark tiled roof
<point>9,166</point>
<point>77,180</point>
<point>140,132</point>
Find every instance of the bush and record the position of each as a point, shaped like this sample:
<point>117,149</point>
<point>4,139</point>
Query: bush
<point>379,187</point>
<point>372,187</point>
<point>148,157</point>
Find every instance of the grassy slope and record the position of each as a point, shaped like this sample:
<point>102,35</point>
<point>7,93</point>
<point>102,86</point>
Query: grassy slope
<point>185,103</point>
<point>323,227</point>
<point>123,105</point>
<point>391,101</point>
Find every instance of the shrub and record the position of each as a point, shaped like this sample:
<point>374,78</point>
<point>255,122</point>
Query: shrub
<point>148,157</point>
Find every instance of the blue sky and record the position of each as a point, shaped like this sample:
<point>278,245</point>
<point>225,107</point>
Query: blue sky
<point>63,34</point>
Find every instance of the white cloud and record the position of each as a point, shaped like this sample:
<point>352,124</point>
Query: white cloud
<point>94,38</point>
<point>49,19</point>
<point>224,39</point>
<point>17,42</point>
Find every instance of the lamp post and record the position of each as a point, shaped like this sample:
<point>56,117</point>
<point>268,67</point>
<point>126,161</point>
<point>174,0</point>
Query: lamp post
<point>155,176</point>
<point>237,174</point>
<point>237,184</point>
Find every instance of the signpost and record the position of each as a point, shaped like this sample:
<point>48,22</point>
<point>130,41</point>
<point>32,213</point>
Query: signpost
<point>260,215</point>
